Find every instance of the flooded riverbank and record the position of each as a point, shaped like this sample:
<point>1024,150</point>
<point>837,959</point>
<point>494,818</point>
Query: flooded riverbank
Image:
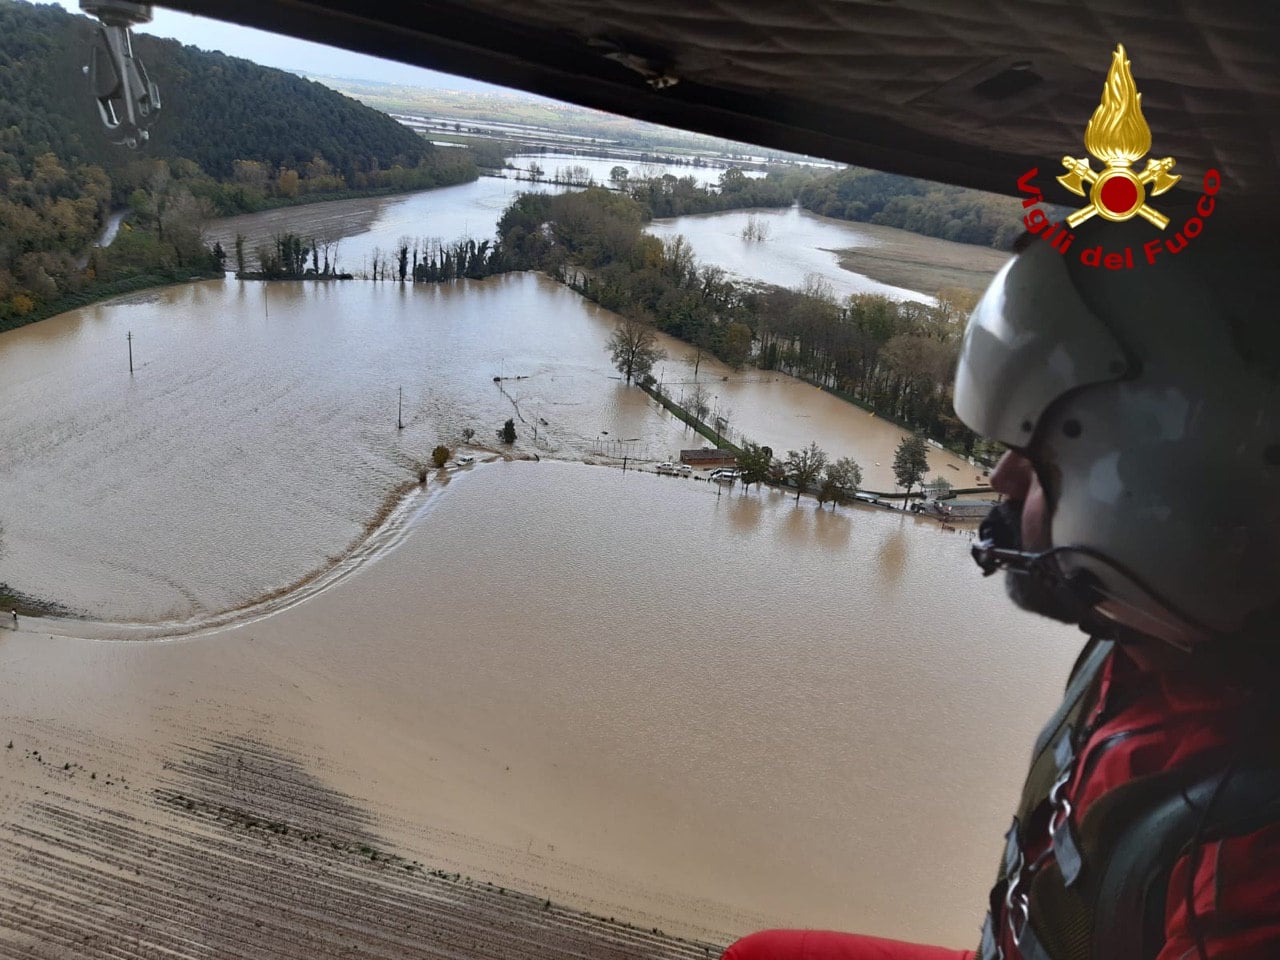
<point>257,436</point>
<point>798,245</point>
<point>662,701</point>
<point>735,717</point>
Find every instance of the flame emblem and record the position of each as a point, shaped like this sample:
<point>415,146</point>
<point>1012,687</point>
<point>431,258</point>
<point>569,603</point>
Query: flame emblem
<point>1118,136</point>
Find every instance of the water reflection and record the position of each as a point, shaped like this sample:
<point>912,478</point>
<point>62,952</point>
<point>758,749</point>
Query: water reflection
<point>799,244</point>
<point>891,556</point>
<point>832,528</point>
<point>744,512</point>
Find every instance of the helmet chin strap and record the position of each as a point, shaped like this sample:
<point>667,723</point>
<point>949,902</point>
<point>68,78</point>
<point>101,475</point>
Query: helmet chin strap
<point>1037,582</point>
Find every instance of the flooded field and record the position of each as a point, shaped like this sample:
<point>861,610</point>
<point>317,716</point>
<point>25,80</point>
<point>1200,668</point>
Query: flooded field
<point>671,704</point>
<point>799,244</point>
<point>257,438</point>
<point>617,691</point>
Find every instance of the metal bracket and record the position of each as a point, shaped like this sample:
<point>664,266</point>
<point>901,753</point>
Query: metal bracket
<point>127,100</point>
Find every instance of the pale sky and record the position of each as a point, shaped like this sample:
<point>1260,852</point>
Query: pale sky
<point>287,53</point>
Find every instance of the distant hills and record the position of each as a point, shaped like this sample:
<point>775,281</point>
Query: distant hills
<point>478,110</point>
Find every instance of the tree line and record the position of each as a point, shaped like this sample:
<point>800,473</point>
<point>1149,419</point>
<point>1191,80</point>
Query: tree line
<point>831,481</point>
<point>932,209</point>
<point>232,136</point>
<point>895,358</point>
<point>671,196</point>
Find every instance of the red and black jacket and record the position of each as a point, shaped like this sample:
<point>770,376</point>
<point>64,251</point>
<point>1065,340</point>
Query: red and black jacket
<point>1149,825</point>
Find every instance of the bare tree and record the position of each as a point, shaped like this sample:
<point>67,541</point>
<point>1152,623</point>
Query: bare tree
<point>634,348</point>
<point>804,467</point>
<point>697,402</point>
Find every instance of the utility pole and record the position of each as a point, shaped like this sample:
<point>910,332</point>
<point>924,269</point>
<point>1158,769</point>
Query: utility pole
<point>129,337</point>
<point>400,411</point>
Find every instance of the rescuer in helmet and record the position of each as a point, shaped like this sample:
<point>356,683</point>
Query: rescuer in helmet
<point>1141,409</point>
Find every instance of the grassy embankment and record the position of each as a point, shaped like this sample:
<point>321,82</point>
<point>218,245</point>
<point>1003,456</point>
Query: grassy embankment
<point>680,413</point>
<point>921,263</point>
<point>97,293</point>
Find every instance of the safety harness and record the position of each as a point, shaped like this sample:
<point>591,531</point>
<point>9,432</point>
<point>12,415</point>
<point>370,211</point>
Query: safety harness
<point>1098,888</point>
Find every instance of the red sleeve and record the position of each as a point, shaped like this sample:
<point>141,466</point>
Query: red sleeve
<point>1237,900</point>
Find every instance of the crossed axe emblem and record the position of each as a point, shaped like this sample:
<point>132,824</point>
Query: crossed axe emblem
<point>1117,193</point>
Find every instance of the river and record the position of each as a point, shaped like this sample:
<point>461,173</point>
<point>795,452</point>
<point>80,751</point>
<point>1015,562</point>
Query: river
<point>800,245</point>
<point>648,695</point>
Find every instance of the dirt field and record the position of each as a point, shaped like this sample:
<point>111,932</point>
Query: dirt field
<point>233,850</point>
<point>921,263</point>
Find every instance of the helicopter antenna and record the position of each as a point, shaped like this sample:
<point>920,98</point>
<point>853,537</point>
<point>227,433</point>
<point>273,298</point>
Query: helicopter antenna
<point>127,99</point>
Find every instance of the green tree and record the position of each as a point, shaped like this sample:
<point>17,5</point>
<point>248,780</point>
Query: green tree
<point>737,344</point>
<point>841,481</point>
<point>441,454</point>
<point>619,174</point>
<point>910,462</point>
<point>634,348</point>
<point>753,463</point>
<point>804,467</point>
<point>508,432</point>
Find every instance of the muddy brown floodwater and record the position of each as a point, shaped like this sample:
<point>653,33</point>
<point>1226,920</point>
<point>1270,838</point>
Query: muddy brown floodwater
<point>257,438</point>
<point>308,711</point>
<point>620,692</point>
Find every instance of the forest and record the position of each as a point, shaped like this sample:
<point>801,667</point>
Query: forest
<point>897,358</point>
<point>231,137</point>
<point>933,209</point>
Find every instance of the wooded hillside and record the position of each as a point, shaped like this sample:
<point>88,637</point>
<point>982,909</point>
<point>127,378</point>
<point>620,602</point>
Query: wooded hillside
<point>231,136</point>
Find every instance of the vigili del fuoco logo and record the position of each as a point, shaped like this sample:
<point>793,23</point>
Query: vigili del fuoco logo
<point>1118,137</point>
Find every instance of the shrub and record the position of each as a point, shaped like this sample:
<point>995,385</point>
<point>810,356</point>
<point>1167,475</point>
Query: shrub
<point>440,455</point>
<point>508,432</point>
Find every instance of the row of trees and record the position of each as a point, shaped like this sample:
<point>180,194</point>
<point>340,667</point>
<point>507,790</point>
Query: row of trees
<point>897,358</point>
<point>952,213</point>
<point>832,481</point>
<point>671,196</point>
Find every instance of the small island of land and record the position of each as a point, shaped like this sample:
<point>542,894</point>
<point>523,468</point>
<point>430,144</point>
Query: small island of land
<point>917,262</point>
